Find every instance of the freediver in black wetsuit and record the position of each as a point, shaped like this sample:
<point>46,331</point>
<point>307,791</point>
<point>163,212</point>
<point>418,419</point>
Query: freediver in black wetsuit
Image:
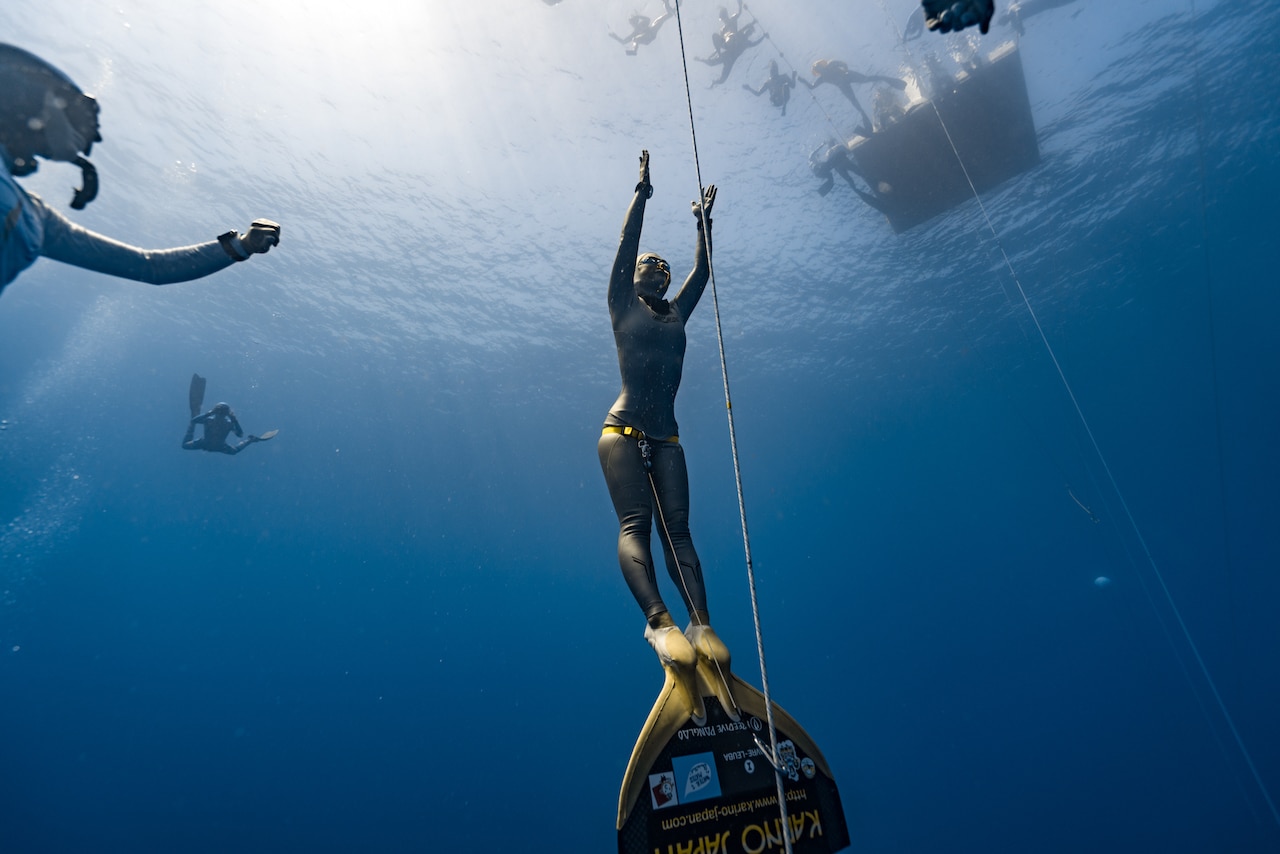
<point>219,423</point>
<point>640,452</point>
<point>643,30</point>
<point>778,86</point>
<point>731,46</point>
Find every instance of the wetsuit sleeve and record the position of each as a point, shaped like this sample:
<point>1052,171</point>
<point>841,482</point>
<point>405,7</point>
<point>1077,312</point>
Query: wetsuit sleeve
<point>691,292</point>
<point>235,425</point>
<point>622,278</point>
<point>71,244</point>
<point>204,418</point>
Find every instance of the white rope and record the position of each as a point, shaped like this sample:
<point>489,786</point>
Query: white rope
<point>733,447</point>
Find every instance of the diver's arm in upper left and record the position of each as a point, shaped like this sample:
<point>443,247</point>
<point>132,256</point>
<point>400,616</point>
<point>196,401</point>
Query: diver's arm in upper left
<point>72,244</point>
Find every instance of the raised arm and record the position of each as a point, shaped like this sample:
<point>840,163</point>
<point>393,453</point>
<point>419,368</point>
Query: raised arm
<point>732,23</point>
<point>622,276</point>
<point>756,92</point>
<point>691,291</point>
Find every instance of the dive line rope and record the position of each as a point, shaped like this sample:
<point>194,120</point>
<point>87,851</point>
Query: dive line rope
<point>769,753</point>
<point>1097,449</point>
<point>733,448</point>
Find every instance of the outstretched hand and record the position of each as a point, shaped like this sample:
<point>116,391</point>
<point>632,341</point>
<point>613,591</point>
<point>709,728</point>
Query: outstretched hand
<point>644,185</point>
<point>944,16</point>
<point>261,236</point>
<point>702,210</point>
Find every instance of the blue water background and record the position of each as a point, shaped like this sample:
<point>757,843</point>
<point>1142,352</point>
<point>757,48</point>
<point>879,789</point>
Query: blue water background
<point>400,626</point>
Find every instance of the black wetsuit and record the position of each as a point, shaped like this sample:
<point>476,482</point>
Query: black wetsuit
<point>778,86</point>
<point>216,429</point>
<point>651,346</point>
<point>732,46</point>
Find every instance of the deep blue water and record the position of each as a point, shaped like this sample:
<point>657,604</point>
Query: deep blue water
<point>400,626</point>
